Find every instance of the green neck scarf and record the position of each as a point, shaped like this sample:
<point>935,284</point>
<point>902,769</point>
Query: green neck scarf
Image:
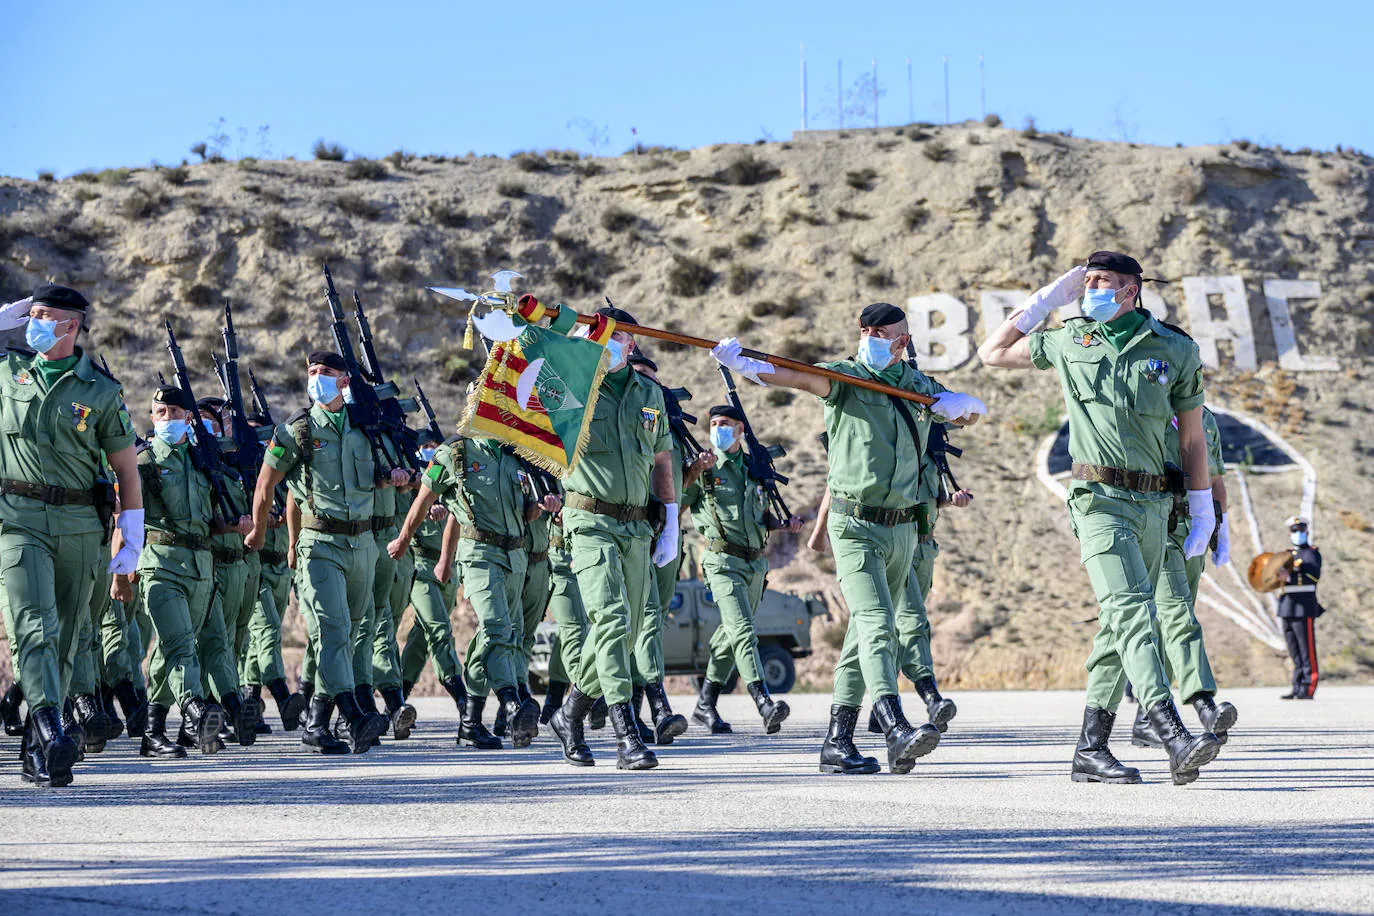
<point>1119,331</point>
<point>50,370</point>
<point>619,380</point>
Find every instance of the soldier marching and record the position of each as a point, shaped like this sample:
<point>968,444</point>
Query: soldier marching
<point>360,516</point>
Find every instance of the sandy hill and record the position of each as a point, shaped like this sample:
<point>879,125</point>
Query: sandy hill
<point>781,244</point>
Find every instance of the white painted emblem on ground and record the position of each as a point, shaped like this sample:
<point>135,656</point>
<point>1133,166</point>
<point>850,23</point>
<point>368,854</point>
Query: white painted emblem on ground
<point>1235,327</point>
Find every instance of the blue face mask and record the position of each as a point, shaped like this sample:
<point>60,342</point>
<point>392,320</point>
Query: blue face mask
<point>1299,538</point>
<point>617,351</point>
<point>41,334</point>
<point>1100,304</point>
<point>323,388</point>
<point>875,353</point>
<point>426,455</point>
<point>722,437</point>
<point>171,431</point>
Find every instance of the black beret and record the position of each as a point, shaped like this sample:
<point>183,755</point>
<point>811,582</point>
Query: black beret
<point>729,411</point>
<point>60,297</point>
<point>620,315</point>
<point>639,359</point>
<point>880,314</point>
<point>425,434</point>
<point>327,358</point>
<point>173,396</point>
<point>1116,262</point>
<point>211,403</point>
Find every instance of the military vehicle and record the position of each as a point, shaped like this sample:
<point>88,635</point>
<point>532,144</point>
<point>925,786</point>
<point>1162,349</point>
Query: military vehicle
<point>783,623</point>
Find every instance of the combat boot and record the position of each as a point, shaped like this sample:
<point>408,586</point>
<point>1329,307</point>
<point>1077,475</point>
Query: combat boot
<point>401,713</point>
<point>630,752</point>
<point>905,743</point>
<point>33,768</point>
<point>95,725</point>
<point>107,703</point>
<point>940,710</point>
<point>772,713</point>
<point>72,727</point>
<point>58,750</point>
<point>406,688</point>
<point>522,715</point>
<point>260,727</point>
<point>9,710</point>
<point>498,725</point>
<point>363,727</point>
<point>553,699</point>
<point>874,726</point>
<point>472,731</point>
<point>242,717</point>
<point>646,734</point>
<point>1187,754</point>
<point>1093,760</point>
<point>367,702</point>
<point>155,742</point>
<point>667,724</point>
<point>596,719</point>
<point>200,726</point>
<point>567,725</point>
<point>316,734</point>
<point>455,688</point>
<point>135,708</point>
<point>1142,732</point>
<point>1216,718</point>
<point>704,713</point>
<point>838,753</point>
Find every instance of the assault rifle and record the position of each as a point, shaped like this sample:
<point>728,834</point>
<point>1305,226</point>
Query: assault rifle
<point>939,450</point>
<point>205,453</point>
<point>365,409</point>
<point>394,407</point>
<point>759,458</point>
<point>248,450</point>
<point>260,407</point>
<point>678,420</point>
<point>429,411</point>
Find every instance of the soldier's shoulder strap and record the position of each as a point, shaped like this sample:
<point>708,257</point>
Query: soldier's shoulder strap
<point>106,372</point>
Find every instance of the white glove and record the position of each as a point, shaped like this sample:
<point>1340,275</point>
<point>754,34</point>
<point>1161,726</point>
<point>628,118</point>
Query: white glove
<point>1203,520</point>
<point>665,548</point>
<point>728,354</point>
<point>125,561</point>
<point>15,314</point>
<point>1068,288</point>
<point>1222,555</point>
<point>951,405</point>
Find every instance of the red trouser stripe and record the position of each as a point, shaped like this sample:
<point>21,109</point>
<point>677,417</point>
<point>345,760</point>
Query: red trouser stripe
<point>1312,654</point>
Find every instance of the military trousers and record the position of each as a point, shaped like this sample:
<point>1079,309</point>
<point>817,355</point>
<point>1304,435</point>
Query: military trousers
<point>262,662</point>
<point>178,605</point>
<point>872,564</point>
<point>534,601</point>
<point>913,622</point>
<point>1179,633</point>
<point>334,578</point>
<point>236,585</point>
<point>565,608</point>
<point>648,641</point>
<point>119,635</point>
<point>431,634</point>
<point>1122,548</point>
<point>48,581</point>
<point>218,667</point>
<point>493,580</point>
<point>378,612</point>
<point>611,562</point>
<point>386,654</point>
<point>736,586</point>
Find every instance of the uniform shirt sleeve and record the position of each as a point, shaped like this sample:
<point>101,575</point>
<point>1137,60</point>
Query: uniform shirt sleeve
<point>924,384</point>
<point>1045,347</point>
<point>691,496</point>
<point>663,441</point>
<point>282,454</point>
<point>1186,392</point>
<point>837,389</point>
<point>1216,464</point>
<point>116,430</point>
<point>442,474</point>
<point>1313,567</point>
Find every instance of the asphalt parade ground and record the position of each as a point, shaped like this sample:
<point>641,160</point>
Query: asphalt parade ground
<point>989,823</point>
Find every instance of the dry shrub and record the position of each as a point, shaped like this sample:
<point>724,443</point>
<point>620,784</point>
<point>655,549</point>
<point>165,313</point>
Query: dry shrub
<point>861,179</point>
<point>748,169</point>
<point>689,277</point>
<point>329,152</point>
<point>447,214</point>
<point>356,205</point>
<point>365,170</point>
<point>741,279</point>
<point>751,240</point>
<point>617,219</point>
<point>513,189</point>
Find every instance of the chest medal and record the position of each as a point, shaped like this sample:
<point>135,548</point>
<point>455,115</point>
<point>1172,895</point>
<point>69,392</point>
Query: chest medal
<point>79,414</point>
<point>1157,370</point>
<point>648,417</point>
<point>1087,340</point>
<point>318,444</point>
<point>476,468</point>
<point>23,377</point>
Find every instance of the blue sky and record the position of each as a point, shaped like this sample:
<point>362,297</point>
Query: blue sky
<point>95,85</point>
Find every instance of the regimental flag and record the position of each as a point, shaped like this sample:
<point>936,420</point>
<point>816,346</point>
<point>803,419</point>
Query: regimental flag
<point>536,394</point>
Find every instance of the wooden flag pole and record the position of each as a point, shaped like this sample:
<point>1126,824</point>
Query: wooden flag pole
<point>781,362</point>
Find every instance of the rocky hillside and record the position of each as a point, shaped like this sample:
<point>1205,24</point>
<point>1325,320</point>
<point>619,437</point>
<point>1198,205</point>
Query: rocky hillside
<point>780,244</point>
